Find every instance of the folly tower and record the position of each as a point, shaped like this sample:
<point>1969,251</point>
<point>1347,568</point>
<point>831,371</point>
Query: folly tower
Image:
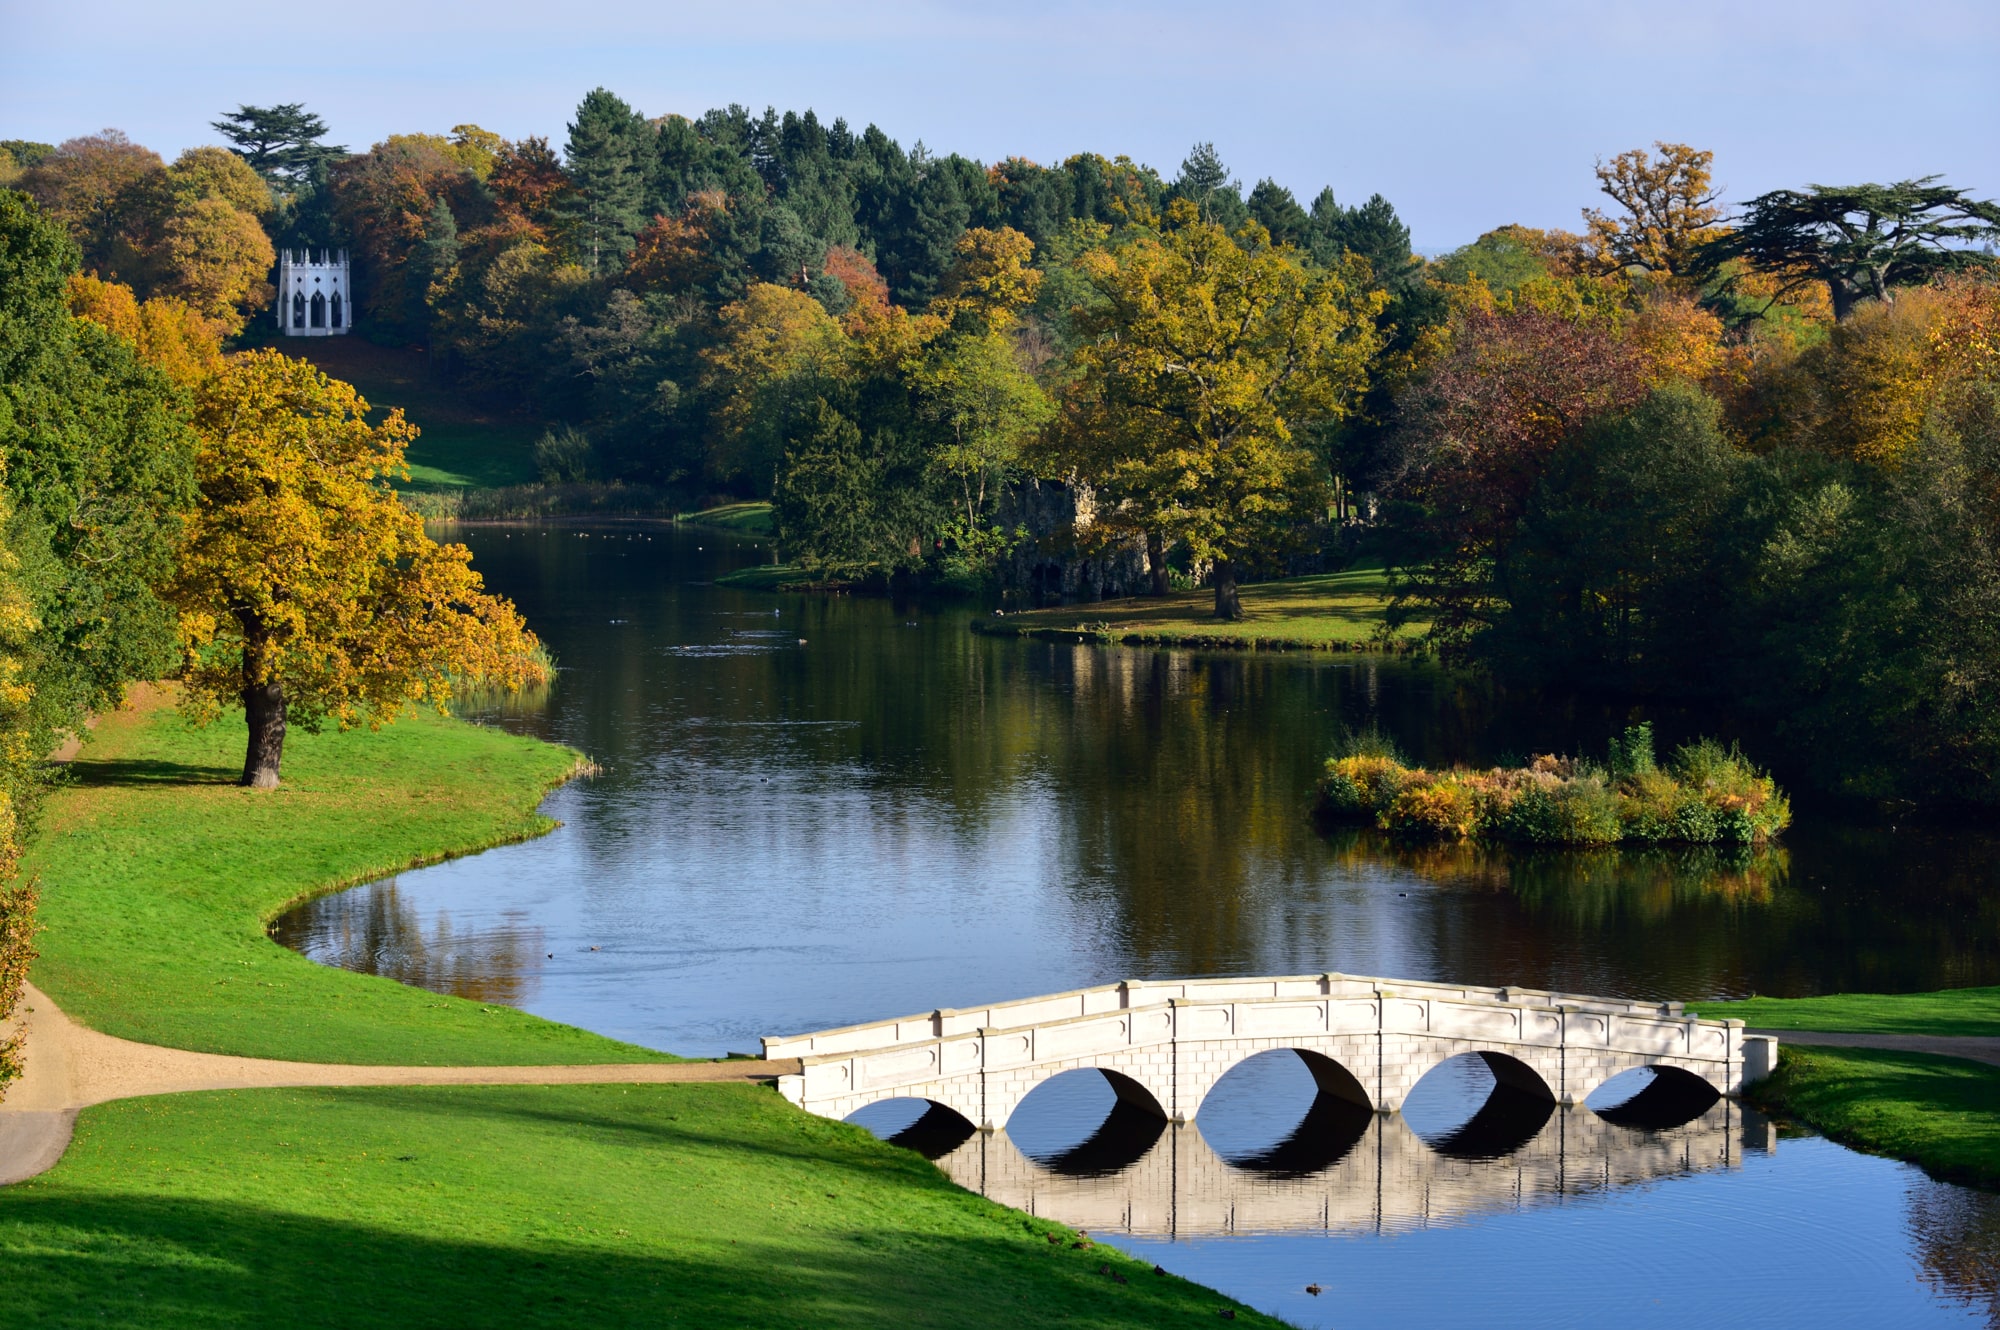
<point>315,298</point>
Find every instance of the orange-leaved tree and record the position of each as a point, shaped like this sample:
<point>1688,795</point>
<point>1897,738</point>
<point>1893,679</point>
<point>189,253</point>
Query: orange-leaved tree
<point>306,590</point>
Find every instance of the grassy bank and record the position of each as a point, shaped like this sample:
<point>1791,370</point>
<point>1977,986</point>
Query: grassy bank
<point>1953,1011</point>
<point>158,875</point>
<point>1942,1114</point>
<point>745,519</point>
<point>578,1205</point>
<point>1323,612</point>
<point>602,1205</point>
<point>461,447</point>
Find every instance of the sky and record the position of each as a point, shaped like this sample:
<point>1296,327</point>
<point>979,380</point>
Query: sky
<point>1466,114</point>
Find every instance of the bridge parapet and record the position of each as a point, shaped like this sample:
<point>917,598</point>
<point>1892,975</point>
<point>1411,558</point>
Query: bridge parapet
<point>1166,1044</point>
<point>1133,993</point>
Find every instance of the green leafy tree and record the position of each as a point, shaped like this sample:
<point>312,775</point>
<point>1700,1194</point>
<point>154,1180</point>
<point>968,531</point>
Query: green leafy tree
<point>1861,241</point>
<point>609,158</point>
<point>281,143</point>
<point>100,466</point>
<point>1621,570</point>
<point>1274,209</point>
<point>1204,181</point>
<point>1208,357</point>
<point>845,502</point>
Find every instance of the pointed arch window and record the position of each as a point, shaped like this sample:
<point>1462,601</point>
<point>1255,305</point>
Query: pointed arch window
<point>318,310</point>
<point>298,309</point>
<point>334,311</point>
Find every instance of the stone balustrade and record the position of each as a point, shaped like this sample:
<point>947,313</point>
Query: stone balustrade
<point>1165,1044</point>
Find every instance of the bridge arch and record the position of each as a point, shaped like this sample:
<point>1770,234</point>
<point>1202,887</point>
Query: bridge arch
<point>1517,1104</point>
<point>1128,1122</point>
<point>1142,1089</point>
<point>1332,1108</point>
<point>1665,1096</point>
<point>930,1128</point>
<point>1585,1081</point>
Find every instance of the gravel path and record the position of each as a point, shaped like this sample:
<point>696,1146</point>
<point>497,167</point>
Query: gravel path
<point>1974,1047</point>
<point>70,1067</point>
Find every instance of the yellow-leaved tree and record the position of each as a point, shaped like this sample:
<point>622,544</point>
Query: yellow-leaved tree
<point>1210,358</point>
<point>306,590</point>
<point>18,763</point>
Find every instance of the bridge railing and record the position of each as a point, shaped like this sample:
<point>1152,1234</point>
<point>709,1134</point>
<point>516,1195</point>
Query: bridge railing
<point>1134,994</point>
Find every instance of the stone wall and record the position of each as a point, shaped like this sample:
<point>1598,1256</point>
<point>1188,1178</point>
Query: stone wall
<point>1057,562</point>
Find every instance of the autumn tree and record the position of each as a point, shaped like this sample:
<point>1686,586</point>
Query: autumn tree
<point>387,202</point>
<point>1208,354</point>
<point>169,334</point>
<point>1479,428</point>
<point>775,351</point>
<point>1668,212</point>
<point>1861,242</point>
<point>306,591</point>
<point>86,184</point>
<point>968,378</point>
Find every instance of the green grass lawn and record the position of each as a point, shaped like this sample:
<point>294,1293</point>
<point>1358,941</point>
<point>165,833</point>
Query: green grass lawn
<point>1956,1011</point>
<point>745,519</point>
<point>462,446</point>
<point>1942,1114</point>
<point>694,1205</point>
<point>709,1205</point>
<point>1937,1112</point>
<point>1326,611</point>
<point>158,874</point>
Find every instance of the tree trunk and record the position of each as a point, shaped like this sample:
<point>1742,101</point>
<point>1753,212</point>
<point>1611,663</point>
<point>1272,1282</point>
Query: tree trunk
<point>1156,561</point>
<point>263,710</point>
<point>1227,606</point>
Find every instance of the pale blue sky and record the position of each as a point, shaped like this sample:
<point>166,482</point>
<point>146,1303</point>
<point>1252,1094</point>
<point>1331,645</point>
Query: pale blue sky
<point>1466,115</point>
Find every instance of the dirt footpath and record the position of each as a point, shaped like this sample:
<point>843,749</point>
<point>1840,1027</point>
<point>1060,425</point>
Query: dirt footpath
<point>69,1068</point>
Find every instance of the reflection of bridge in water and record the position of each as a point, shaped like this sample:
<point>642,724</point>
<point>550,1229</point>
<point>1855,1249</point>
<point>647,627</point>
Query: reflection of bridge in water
<point>1347,1172</point>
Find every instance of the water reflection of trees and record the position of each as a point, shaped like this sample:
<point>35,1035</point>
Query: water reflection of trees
<point>1582,886</point>
<point>1957,1236</point>
<point>1163,795</point>
<point>373,930</point>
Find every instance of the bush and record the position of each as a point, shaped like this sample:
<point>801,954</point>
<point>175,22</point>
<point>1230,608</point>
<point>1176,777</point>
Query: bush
<point>564,456</point>
<point>1361,788</point>
<point>1707,794</point>
<point>1446,808</point>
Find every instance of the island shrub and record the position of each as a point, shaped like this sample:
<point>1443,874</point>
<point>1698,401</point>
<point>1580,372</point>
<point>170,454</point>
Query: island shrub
<point>1706,794</point>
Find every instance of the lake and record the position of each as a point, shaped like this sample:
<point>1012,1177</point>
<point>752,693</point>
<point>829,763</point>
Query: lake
<point>816,811</point>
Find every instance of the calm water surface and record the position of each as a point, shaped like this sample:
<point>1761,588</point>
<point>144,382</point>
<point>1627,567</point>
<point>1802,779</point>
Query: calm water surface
<point>820,811</point>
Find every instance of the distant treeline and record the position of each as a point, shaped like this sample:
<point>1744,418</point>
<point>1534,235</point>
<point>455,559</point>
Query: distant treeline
<point>1746,459</point>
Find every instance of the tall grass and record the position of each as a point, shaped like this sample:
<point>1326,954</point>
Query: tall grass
<point>1705,794</point>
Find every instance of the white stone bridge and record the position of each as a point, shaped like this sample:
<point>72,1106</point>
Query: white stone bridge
<point>1164,1045</point>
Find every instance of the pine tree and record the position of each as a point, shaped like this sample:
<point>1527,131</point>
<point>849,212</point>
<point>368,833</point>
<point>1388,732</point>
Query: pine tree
<point>609,158</point>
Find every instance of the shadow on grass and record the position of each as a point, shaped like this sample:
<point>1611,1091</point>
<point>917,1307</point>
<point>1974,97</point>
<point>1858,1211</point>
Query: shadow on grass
<point>133,772</point>
<point>71,1259</point>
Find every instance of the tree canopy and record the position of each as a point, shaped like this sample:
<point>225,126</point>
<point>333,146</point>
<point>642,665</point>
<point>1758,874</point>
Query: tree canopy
<point>306,591</point>
<point>1202,365</point>
<point>281,143</point>
<point>1861,241</point>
